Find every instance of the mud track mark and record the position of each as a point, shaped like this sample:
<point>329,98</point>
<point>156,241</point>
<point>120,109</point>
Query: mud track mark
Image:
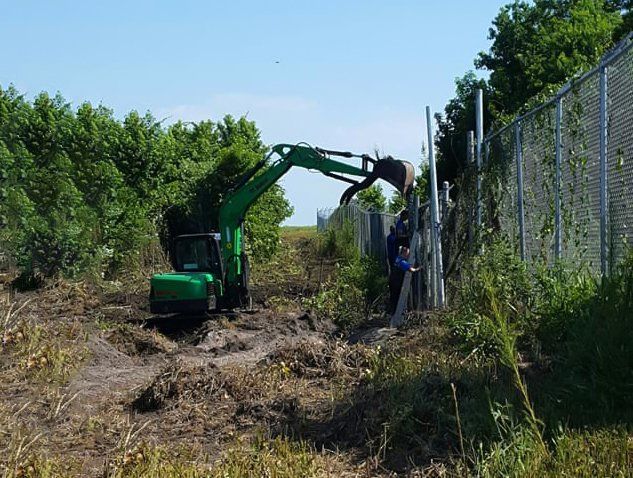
<point>252,338</point>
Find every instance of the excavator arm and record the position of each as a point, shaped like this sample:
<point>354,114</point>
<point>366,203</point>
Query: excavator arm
<point>255,183</point>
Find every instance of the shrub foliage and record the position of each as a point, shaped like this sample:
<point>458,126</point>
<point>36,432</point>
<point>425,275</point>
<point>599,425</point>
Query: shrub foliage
<point>81,190</point>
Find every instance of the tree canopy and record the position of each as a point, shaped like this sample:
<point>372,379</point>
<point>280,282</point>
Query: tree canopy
<point>372,199</point>
<point>536,47</point>
<point>83,191</point>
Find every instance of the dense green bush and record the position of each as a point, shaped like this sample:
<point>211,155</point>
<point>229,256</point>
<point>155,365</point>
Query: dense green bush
<point>539,306</point>
<point>495,279</point>
<point>357,290</point>
<point>81,190</point>
<point>338,243</point>
<point>595,377</point>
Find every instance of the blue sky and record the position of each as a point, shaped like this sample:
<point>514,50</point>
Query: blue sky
<point>353,75</point>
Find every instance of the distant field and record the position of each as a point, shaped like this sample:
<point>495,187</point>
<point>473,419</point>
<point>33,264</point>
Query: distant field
<point>298,232</point>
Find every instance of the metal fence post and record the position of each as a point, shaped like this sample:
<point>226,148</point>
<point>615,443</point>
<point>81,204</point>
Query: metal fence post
<point>558,232</point>
<point>486,151</point>
<point>445,204</point>
<point>415,249</point>
<point>604,223</point>
<point>470,154</point>
<point>520,211</point>
<point>435,214</point>
<point>445,198</point>
<point>480,133</point>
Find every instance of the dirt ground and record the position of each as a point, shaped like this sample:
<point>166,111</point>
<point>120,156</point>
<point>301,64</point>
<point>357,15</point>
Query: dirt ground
<point>89,379</point>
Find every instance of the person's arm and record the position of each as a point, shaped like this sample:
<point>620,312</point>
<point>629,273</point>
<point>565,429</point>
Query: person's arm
<point>406,267</point>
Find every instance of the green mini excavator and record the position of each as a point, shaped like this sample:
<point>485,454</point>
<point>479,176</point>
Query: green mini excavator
<point>211,269</point>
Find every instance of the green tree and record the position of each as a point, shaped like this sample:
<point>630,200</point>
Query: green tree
<point>537,46</point>
<point>372,199</point>
<point>396,203</point>
<point>422,182</point>
<point>625,7</point>
<point>453,125</point>
<point>83,191</point>
<point>239,148</point>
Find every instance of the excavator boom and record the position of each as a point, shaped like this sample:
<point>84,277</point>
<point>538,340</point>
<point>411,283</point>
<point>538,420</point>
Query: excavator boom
<point>398,173</point>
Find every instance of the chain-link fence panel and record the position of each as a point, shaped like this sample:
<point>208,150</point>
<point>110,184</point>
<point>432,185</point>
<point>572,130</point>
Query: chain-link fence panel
<point>537,135</point>
<point>580,175</point>
<point>458,223</point>
<point>580,170</point>
<point>620,155</point>
<point>323,218</point>
<point>500,186</point>
<point>370,228</point>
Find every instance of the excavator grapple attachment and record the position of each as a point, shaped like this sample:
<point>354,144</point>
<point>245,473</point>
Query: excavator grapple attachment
<point>400,174</point>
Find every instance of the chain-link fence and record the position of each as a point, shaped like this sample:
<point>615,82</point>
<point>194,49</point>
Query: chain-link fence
<point>370,228</point>
<point>558,181</point>
<point>370,234</point>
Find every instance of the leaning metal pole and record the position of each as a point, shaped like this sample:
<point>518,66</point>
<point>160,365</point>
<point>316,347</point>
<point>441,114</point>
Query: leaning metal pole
<point>479,107</point>
<point>435,213</point>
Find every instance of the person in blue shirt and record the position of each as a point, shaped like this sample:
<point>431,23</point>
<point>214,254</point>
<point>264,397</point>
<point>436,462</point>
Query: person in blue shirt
<point>400,266</point>
<point>391,247</point>
<point>402,261</point>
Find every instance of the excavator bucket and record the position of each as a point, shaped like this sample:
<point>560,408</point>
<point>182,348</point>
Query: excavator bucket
<point>400,174</point>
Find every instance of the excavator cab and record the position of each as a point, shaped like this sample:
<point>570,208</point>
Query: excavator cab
<point>197,253</point>
<point>196,285</point>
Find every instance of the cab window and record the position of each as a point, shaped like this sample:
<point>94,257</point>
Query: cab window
<point>196,255</point>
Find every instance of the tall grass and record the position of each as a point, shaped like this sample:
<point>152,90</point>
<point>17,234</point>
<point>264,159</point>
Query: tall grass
<point>570,338</point>
<point>574,454</point>
<point>596,371</point>
<point>339,243</point>
<point>505,336</point>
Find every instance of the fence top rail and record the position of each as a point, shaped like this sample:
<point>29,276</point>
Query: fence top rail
<point>616,52</point>
<point>332,210</point>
